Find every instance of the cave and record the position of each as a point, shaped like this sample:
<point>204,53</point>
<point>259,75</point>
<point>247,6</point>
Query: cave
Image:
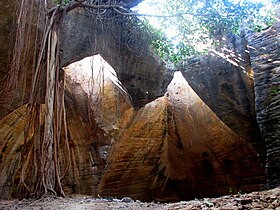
<point>131,126</point>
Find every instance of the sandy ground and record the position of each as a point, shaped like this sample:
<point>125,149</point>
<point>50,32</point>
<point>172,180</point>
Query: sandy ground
<point>257,200</point>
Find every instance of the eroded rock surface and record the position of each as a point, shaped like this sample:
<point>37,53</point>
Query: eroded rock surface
<point>172,144</point>
<point>223,79</point>
<point>264,51</point>
<point>139,69</point>
<point>176,148</point>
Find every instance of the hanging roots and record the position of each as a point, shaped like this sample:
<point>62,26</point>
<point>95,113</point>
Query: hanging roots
<point>46,131</point>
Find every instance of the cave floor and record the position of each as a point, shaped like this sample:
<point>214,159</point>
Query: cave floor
<point>269,199</point>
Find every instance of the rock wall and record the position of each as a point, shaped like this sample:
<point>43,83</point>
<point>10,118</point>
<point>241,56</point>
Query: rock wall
<point>81,167</point>
<point>176,148</point>
<point>7,10</point>
<point>172,149</point>
<point>223,79</point>
<point>264,52</point>
<point>139,69</point>
<point>170,145</point>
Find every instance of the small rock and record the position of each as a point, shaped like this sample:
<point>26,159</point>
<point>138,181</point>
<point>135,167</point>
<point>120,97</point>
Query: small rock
<point>127,200</point>
<point>238,200</point>
<point>208,204</point>
<point>273,197</point>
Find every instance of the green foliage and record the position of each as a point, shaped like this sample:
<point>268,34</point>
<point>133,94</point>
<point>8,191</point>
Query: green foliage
<point>204,23</point>
<point>275,90</point>
<point>166,48</point>
<point>62,2</point>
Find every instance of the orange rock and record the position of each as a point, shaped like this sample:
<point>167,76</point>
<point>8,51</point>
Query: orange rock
<point>177,148</point>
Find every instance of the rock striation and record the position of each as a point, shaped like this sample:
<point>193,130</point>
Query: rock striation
<point>264,52</point>
<point>223,79</point>
<point>139,69</point>
<point>176,148</point>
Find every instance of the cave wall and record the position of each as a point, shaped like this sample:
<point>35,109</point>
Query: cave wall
<point>264,52</point>
<point>7,10</point>
<point>138,68</point>
<point>145,79</point>
<point>176,148</point>
<point>79,168</point>
<point>223,79</point>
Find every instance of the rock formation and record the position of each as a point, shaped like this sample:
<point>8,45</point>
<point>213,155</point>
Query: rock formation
<point>177,148</point>
<point>164,151</point>
<point>138,68</point>
<point>174,147</point>
<point>264,52</point>
<point>224,80</point>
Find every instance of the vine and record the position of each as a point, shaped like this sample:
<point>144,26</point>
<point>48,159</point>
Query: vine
<point>46,132</point>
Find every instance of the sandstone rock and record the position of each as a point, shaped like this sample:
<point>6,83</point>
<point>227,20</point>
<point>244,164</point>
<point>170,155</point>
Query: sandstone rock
<point>86,140</point>
<point>141,71</point>
<point>144,76</point>
<point>264,52</point>
<point>180,146</point>
<point>223,79</point>
<point>173,148</point>
<point>108,99</point>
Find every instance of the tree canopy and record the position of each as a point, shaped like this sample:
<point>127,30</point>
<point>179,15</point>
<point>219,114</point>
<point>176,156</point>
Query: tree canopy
<point>196,25</point>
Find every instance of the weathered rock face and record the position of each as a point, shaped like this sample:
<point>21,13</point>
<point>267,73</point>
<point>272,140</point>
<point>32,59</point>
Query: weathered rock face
<point>86,142</point>
<point>108,99</point>
<point>7,9</point>
<point>177,148</point>
<point>174,148</point>
<point>139,69</point>
<point>81,166</point>
<point>172,144</point>
<point>264,53</point>
<point>86,102</point>
<point>223,79</point>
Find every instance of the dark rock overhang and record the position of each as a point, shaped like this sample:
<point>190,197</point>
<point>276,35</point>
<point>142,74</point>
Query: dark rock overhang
<point>123,44</point>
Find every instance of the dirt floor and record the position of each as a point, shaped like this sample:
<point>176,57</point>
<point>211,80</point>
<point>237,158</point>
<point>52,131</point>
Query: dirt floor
<point>257,200</point>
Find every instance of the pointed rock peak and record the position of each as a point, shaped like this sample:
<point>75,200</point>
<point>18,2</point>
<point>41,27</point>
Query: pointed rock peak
<point>180,92</point>
<point>178,78</point>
